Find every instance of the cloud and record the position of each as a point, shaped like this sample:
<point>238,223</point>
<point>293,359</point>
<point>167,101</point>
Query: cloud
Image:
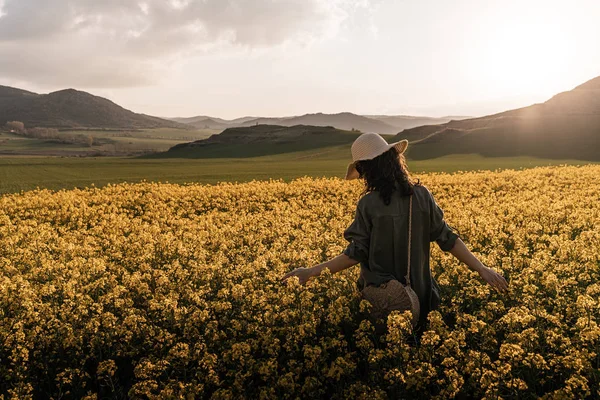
<point>117,43</point>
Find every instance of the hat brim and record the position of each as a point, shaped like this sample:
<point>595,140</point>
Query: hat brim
<point>352,173</point>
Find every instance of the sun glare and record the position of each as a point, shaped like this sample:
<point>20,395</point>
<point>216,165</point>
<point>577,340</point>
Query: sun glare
<point>526,58</point>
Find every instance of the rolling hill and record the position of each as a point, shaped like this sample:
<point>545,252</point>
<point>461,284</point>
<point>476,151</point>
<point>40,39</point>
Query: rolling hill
<point>345,121</point>
<point>566,126</point>
<point>72,109</point>
<point>202,118</point>
<point>258,140</point>
<point>383,124</point>
<point>402,122</point>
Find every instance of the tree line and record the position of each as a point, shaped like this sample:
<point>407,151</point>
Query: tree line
<point>50,134</point>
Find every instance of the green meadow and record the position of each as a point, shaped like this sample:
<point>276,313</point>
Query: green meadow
<point>27,173</point>
<point>105,142</point>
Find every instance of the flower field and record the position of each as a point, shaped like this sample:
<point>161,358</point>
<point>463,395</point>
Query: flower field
<point>173,291</point>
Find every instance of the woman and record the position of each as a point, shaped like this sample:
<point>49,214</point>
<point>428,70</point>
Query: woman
<point>391,206</point>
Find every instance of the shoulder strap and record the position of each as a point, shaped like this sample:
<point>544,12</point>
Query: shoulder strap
<point>409,240</point>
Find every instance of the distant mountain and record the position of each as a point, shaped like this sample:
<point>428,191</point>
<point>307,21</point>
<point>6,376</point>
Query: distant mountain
<point>344,121</point>
<point>201,119</point>
<point>203,122</point>
<point>241,120</point>
<point>265,121</point>
<point>402,122</point>
<point>259,140</point>
<point>565,127</point>
<point>72,109</point>
<point>383,124</point>
<point>206,119</point>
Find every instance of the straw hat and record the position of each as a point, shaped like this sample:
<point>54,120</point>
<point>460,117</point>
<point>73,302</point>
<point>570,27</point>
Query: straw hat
<point>368,146</point>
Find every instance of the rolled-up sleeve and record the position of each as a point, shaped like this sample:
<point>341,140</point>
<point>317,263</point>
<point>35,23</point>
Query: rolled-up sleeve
<point>358,234</point>
<point>440,232</point>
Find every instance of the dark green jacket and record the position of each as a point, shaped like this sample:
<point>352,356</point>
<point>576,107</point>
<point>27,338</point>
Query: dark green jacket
<point>378,239</point>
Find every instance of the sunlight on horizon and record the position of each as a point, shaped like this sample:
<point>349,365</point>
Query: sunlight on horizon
<point>528,56</point>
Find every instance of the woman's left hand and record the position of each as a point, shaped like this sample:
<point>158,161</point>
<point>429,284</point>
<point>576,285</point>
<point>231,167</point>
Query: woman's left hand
<point>303,274</point>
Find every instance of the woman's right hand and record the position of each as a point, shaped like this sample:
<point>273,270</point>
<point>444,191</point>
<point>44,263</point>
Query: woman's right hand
<point>495,280</point>
<point>303,274</point>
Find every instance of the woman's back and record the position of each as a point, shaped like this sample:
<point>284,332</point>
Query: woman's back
<point>379,237</point>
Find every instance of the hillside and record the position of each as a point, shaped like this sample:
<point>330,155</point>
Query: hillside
<point>383,124</point>
<point>345,121</point>
<point>208,123</point>
<point>402,122</point>
<point>72,109</point>
<point>7,93</point>
<point>566,126</point>
<point>201,120</point>
<point>261,140</point>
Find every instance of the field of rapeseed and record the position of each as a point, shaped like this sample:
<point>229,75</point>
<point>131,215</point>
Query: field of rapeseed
<point>159,290</point>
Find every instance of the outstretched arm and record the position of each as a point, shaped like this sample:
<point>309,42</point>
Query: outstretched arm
<point>337,264</point>
<point>463,254</point>
<point>451,242</point>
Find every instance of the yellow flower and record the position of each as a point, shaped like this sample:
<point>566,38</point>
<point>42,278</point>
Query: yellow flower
<point>155,290</point>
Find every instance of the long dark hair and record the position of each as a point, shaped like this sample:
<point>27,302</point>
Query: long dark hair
<point>386,173</point>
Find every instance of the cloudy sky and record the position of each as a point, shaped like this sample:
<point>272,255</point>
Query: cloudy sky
<point>231,58</point>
